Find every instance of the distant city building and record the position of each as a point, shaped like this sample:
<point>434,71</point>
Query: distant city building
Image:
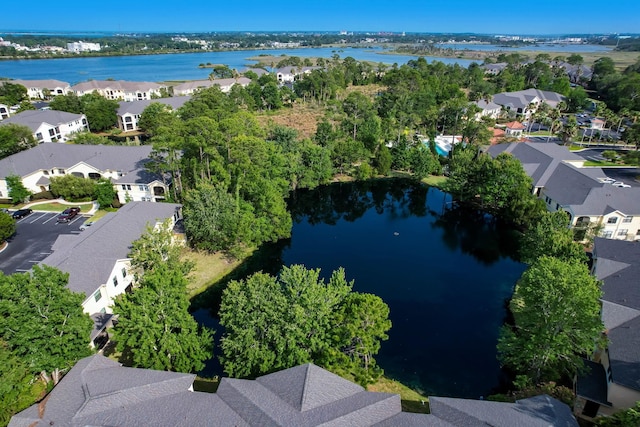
<point>81,46</point>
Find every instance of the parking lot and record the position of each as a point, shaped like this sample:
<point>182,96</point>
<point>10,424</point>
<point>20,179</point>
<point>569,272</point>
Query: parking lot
<point>35,235</point>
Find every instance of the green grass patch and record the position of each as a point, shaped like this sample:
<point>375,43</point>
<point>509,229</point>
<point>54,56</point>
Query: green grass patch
<point>59,207</point>
<point>208,270</point>
<point>602,163</point>
<point>435,181</point>
<point>412,400</point>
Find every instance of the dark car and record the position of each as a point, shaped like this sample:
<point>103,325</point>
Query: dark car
<point>21,213</point>
<point>68,214</point>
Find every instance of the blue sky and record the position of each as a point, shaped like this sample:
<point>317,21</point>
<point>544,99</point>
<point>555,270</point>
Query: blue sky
<point>453,16</point>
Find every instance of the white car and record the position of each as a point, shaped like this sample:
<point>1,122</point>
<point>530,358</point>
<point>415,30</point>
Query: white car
<point>621,184</point>
<point>607,180</point>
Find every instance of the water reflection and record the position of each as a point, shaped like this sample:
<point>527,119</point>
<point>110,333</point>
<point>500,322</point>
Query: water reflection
<point>444,271</point>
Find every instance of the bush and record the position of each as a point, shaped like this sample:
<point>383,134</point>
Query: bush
<point>43,195</point>
<point>72,188</point>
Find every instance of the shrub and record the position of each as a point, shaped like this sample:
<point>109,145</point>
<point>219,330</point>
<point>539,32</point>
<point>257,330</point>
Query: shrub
<point>43,195</point>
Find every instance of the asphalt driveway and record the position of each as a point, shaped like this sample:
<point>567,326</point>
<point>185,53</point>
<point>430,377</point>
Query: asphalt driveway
<point>35,235</point>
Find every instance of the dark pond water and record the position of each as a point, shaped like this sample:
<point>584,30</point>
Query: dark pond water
<point>445,274</point>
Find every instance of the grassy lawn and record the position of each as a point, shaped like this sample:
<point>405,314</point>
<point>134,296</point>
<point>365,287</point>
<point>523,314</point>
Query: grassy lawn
<point>604,163</point>
<point>412,401</point>
<point>208,269</point>
<point>435,181</point>
<point>59,207</point>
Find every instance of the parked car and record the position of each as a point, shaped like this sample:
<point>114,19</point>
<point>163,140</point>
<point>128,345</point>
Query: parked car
<point>607,180</point>
<point>621,185</point>
<point>68,214</point>
<point>85,225</point>
<point>21,213</point>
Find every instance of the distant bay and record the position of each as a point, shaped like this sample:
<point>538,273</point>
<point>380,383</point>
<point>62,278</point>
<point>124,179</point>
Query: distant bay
<point>179,66</point>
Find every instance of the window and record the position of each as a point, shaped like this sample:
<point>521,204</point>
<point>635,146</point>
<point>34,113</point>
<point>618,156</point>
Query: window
<point>612,220</point>
<point>143,188</point>
<point>627,219</point>
<point>45,172</point>
<point>115,281</point>
<point>547,199</point>
<point>39,136</point>
<point>61,171</point>
<point>128,119</point>
<point>126,187</point>
<point>97,295</point>
<point>622,232</point>
<point>607,234</point>
<point>124,272</point>
<point>51,132</point>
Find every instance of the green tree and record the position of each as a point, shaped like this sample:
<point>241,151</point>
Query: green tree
<point>382,160</point>
<point>88,138</point>
<point>104,192</point>
<point>551,236</point>
<point>499,186</point>
<point>632,135</point>
<point>155,116</point>
<point>42,320</point>
<point>7,226</point>
<point>625,418</point>
<point>100,111</point>
<point>556,311</point>
<point>12,93</point>
<point>16,389</point>
<point>18,193</point>
<point>15,138</point>
<point>216,220</point>
<point>568,130</point>
<point>70,103</point>
<point>155,248</point>
<point>73,188</point>
<point>155,328</point>
<point>276,323</point>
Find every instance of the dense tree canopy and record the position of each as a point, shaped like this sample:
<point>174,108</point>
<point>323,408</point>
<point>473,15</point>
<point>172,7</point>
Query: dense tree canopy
<point>12,93</point>
<point>15,138</point>
<point>551,236</point>
<point>100,111</point>
<point>499,186</point>
<point>273,323</point>
<point>556,309</point>
<point>154,325</point>
<point>73,188</point>
<point>42,320</point>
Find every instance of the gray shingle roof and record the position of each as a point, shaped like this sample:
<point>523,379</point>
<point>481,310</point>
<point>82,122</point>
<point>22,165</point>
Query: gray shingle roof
<point>542,411</point>
<point>538,157</point>
<point>99,392</point>
<point>484,105</point>
<point>52,156</point>
<point>33,119</point>
<point>48,84</point>
<point>617,264</point>
<point>137,107</point>
<point>552,167</point>
<point>122,85</point>
<point>90,256</point>
<point>522,98</point>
